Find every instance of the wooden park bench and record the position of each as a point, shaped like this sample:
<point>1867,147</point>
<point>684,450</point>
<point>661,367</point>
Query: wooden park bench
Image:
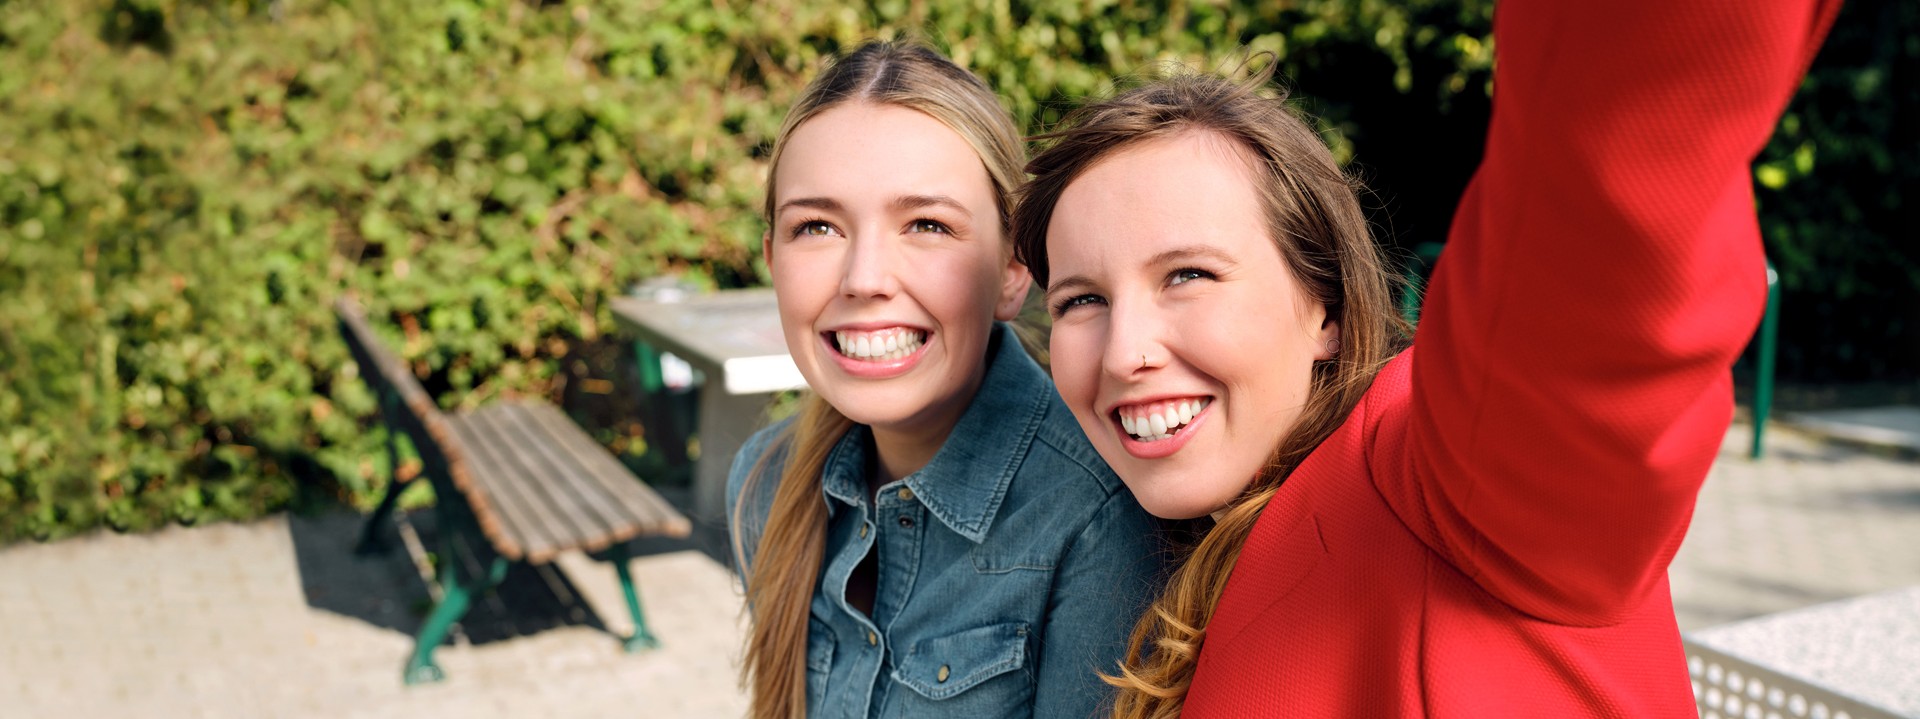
<point>517,481</point>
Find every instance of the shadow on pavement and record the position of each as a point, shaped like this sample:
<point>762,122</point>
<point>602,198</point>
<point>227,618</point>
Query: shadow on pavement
<point>386,589</point>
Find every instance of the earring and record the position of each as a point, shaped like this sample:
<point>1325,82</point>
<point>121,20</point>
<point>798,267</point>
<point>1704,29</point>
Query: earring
<point>1333,347</point>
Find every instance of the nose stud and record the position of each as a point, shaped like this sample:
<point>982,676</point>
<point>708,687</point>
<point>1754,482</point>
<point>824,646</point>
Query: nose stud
<point>1143,361</point>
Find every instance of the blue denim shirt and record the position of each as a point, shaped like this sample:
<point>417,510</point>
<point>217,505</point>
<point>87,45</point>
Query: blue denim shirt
<point>1011,568</point>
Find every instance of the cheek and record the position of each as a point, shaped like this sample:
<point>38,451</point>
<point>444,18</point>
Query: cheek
<point>1074,351</point>
<point>803,285</point>
<point>1260,348</point>
<point>959,287</point>
<point>804,274</point>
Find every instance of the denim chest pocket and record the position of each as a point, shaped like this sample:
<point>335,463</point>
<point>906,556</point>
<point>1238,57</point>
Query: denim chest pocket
<point>1000,555</point>
<point>983,671</point>
<point>820,641</point>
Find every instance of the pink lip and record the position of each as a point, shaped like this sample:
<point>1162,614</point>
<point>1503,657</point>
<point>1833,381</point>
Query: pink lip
<point>1163,448</point>
<point>872,370</point>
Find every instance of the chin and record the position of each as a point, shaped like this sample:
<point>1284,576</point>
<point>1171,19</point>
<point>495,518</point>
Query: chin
<point>872,409</point>
<point>1171,497</point>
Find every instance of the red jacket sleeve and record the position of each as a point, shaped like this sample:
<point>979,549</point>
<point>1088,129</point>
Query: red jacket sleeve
<point>1571,385</point>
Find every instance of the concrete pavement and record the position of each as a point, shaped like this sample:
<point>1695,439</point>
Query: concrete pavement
<point>277,618</point>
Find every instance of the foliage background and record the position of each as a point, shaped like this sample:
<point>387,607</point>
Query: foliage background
<point>185,185</point>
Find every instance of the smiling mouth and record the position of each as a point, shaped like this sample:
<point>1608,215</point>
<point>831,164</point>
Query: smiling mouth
<point>884,345</point>
<point>1157,421</point>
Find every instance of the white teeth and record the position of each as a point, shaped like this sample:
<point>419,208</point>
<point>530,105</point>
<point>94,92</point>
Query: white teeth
<point>1155,426</point>
<point>892,345</point>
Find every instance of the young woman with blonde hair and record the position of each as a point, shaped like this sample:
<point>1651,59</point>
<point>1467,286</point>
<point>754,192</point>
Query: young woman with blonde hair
<point>1476,526</point>
<point>931,535</point>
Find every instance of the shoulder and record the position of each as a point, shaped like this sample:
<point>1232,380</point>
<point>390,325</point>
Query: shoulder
<point>1061,450</point>
<point>764,452</point>
<point>1384,409</point>
<point>1066,492</point>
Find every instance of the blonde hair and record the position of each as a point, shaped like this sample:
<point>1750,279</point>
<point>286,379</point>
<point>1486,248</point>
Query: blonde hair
<point>1314,217</point>
<point>780,581</point>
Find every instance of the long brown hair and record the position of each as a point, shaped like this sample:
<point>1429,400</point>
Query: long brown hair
<point>780,581</point>
<point>1315,220</point>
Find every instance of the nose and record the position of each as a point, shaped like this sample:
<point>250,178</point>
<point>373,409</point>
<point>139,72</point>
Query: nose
<point>1136,340</point>
<point>869,271</point>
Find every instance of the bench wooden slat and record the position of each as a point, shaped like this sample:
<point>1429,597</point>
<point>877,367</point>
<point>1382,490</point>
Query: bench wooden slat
<point>543,485</point>
<point>535,531</point>
<point>604,484</point>
<point>420,419</point>
<point>573,487</point>
<point>536,483</point>
<point>615,487</point>
<point>380,367</point>
<point>568,486</point>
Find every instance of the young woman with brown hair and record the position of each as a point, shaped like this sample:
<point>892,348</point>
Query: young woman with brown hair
<point>1481,526</point>
<point>931,535</point>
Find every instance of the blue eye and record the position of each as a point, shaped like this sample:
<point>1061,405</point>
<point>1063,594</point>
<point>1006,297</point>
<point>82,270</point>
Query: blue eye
<point>1187,274</point>
<point>1064,306</point>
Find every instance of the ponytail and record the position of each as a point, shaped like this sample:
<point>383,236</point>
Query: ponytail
<point>786,562</point>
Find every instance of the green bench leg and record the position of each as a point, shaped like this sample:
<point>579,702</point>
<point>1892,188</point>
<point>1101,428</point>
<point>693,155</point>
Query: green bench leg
<point>372,540</point>
<point>641,639</point>
<point>457,596</point>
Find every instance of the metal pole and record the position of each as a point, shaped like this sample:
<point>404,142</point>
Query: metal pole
<point>1763,383</point>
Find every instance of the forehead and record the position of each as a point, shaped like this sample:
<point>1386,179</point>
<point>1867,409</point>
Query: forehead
<point>1194,187</point>
<point>862,149</point>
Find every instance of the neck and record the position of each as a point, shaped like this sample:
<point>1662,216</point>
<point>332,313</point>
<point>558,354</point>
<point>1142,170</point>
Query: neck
<point>903,448</point>
<point>898,454</point>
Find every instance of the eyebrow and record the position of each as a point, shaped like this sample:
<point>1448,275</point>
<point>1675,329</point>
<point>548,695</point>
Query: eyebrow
<point>903,202</point>
<point>1169,257</point>
<point>1067,284</point>
<point>1191,252</point>
<point>819,203</point>
<point>916,202</point>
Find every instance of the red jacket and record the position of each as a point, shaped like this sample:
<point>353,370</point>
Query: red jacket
<point>1488,534</point>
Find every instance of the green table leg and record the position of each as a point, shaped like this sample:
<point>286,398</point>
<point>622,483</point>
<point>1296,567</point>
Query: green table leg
<point>641,639</point>
<point>1769,345</point>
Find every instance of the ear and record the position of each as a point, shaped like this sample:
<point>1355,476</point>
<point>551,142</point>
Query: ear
<point>766,247</point>
<point>1014,281</point>
<point>1328,338</point>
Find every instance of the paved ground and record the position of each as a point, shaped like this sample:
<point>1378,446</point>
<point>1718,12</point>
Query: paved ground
<point>1811,523</point>
<point>278,619</point>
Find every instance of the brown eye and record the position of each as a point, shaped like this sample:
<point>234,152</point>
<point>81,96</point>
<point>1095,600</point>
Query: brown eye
<point>928,226</point>
<point>815,228</point>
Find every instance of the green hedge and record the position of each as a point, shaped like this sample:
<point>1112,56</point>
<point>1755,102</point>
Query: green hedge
<point>185,186</point>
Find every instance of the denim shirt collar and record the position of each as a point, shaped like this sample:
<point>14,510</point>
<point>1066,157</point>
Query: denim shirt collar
<point>966,480</point>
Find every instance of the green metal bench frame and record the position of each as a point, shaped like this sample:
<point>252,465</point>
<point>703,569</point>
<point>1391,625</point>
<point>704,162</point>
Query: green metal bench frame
<point>534,487</point>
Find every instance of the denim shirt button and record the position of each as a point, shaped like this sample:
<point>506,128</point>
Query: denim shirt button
<point>942,676</point>
<point>905,494</point>
<point>906,522</point>
<point>863,530</point>
<point>872,639</point>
